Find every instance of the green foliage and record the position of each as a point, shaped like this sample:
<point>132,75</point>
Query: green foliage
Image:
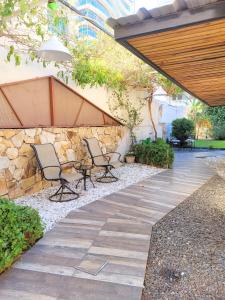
<point>147,141</point>
<point>216,115</point>
<point>182,129</point>
<point>217,118</point>
<point>198,116</point>
<point>218,132</point>
<point>158,154</point>
<point>96,73</point>
<point>20,227</point>
<point>127,111</point>
<point>169,87</point>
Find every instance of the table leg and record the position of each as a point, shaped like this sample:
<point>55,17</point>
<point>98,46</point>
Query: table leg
<point>92,181</point>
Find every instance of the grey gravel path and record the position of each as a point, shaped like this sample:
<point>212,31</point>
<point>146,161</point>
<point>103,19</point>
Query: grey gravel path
<point>187,257</point>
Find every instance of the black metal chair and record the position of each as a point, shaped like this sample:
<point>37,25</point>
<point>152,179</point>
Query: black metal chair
<point>103,160</point>
<point>51,170</point>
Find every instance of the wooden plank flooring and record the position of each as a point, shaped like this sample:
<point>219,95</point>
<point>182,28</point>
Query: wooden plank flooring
<point>116,228</point>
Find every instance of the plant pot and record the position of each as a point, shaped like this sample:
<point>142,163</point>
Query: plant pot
<point>130,159</point>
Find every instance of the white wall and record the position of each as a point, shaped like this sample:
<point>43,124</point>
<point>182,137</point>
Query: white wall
<point>10,73</point>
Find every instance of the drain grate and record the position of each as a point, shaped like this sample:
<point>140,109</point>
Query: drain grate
<point>91,264</point>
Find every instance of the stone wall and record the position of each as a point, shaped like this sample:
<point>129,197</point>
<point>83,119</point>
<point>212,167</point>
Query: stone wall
<point>18,169</point>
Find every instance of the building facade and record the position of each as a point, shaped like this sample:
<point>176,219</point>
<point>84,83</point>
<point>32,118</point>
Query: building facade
<point>100,11</point>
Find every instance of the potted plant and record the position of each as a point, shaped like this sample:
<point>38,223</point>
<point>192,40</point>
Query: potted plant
<point>130,157</point>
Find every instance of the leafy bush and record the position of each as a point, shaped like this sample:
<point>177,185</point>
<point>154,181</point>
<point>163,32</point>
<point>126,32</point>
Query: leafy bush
<point>182,129</point>
<point>218,132</point>
<point>157,153</point>
<point>146,141</point>
<point>20,227</point>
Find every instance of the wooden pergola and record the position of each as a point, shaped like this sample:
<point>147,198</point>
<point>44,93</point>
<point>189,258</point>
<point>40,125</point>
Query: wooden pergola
<point>185,41</point>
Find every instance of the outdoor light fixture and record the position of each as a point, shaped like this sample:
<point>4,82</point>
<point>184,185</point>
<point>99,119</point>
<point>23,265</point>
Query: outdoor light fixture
<point>54,50</point>
<point>53,5</point>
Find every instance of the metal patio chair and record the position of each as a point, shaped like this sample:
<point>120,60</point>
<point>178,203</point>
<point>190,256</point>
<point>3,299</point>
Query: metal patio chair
<point>103,160</point>
<point>51,170</point>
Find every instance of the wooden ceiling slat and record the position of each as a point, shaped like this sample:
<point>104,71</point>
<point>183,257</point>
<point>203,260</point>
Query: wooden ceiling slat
<point>210,62</point>
<point>198,67</point>
<point>182,57</point>
<point>183,39</point>
<point>184,47</point>
<point>194,56</point>
<point>192,30</point>
<point>187,72</point>
<point>196,76</point>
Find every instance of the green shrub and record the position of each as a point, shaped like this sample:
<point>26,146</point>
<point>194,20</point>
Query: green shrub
<point>146,141</point>
<point>158,154</point>
<point>182,129</point>
<point>160,141</point>
<point>20,227</point>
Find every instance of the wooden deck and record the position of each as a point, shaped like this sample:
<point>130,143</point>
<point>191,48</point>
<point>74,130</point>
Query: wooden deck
<point>116,228</point>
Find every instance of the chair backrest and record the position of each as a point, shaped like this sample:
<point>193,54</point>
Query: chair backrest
<point>95,151</point>
<point>46,157</point>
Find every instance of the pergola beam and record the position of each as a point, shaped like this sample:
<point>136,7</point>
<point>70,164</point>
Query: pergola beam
<point>185,44</point>
<point>174,21</point>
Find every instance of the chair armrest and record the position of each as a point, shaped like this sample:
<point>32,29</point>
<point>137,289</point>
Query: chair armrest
<point>102,155</point>
<point>48,167</point>
<point>51,167</point>
<point>119,154</point>
<point>77,164</point>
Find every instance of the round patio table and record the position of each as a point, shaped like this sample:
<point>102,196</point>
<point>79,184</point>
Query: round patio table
<point>86,172</point>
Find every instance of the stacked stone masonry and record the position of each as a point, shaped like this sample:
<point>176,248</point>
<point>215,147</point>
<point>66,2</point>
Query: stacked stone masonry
<point>19,174</point>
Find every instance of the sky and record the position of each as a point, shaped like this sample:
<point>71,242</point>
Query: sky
<point>150,3</point>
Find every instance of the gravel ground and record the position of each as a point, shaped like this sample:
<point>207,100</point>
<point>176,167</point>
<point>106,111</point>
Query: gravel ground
<point>187,253</point>
<point>52,212</point>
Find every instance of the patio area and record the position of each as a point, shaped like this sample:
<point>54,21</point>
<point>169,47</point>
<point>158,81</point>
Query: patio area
<point>115,229</point>
<point>111,106</point>
<point>52,212</point>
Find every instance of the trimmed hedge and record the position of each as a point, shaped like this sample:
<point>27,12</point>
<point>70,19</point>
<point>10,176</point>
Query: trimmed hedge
<point>20,227</point>
<point>158,154</point>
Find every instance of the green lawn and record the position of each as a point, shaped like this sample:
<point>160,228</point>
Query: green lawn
<point>210,144</point>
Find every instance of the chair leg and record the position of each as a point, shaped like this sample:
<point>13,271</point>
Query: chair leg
<point>105,178</point>
<point>58,195</point>
<point>78,182</point>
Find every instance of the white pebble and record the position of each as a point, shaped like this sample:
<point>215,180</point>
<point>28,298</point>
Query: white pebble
<point>52,212</point>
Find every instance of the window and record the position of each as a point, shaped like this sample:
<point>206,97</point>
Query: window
<point>96,4</point>
<point>86,30</point>
<point>93,16</point>
<point>177,97</point>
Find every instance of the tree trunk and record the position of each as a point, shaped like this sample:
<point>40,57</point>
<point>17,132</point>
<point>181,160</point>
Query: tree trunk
<point>150,100</point>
